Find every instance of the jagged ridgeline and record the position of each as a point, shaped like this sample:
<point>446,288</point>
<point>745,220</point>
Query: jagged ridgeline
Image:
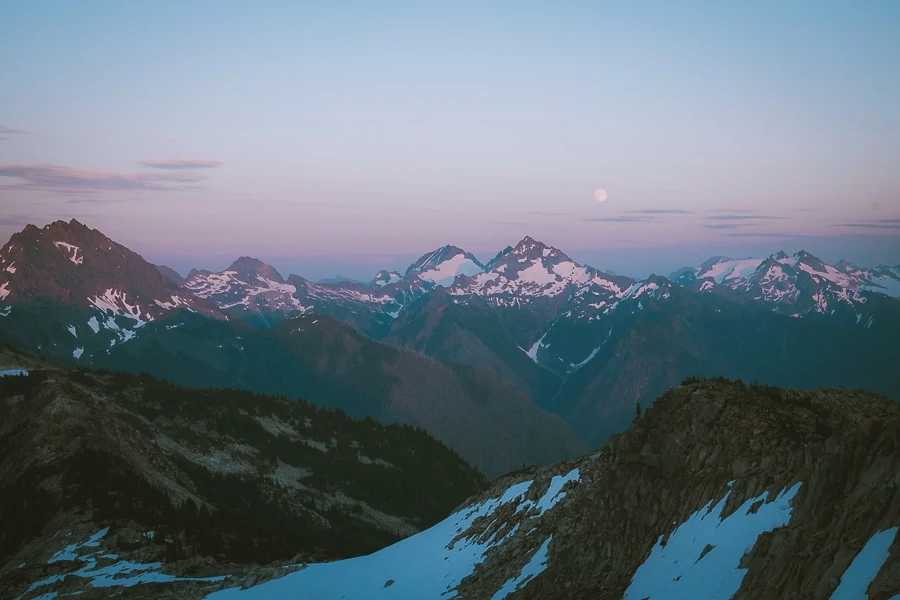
<point>226,474</point>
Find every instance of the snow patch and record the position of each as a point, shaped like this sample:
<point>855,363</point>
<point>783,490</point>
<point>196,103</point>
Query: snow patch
<point>77,352</point>
<point>116,302</point>
<point>430,564</point>
<point>71,329</point>
<point>73,252</point>
<point>4,290</point>
<point>885,285</point>
<point>110,575</point>
<point>593,353</point>
<point>732,269</point>
<point>93,324</point>
<point>176,302</point>
<point>532,352</point>
<point>532,569</point>
<point>445,273</point>
<point>865,566</point>
<point>701,558</point>
<point>13,372</point>
<point>392,278</point>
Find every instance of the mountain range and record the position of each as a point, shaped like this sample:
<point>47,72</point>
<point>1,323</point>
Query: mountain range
<point>553,353</point>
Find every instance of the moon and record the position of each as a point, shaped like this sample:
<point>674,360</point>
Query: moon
<point>600,195</point>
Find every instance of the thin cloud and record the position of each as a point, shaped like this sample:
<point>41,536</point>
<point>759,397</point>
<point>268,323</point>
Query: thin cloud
<point>771,234</point>
<point>180,164</point>
<point>4,130</point>
<point>81,200</point>
<point>724,226</point>
<point>661,211</point>
<point>56,178</point>
<point>743,218</point>
<point>623,219</point>
<point>886,224</point>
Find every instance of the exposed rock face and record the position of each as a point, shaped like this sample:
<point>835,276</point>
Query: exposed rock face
<point>171,274</point>
<point>79,267</point>
<point>834,455</point>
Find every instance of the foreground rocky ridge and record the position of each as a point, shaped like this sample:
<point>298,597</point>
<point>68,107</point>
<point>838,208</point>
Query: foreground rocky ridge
<point>720,490</point>
<point>716,444</point>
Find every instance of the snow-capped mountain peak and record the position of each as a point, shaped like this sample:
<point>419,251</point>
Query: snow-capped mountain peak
<point>442,266</point>
<point>532,270</point>
<point>798,285</point>
<point>530,248</point>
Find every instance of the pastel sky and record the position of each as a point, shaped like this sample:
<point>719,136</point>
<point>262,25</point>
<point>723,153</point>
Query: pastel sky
<point>349,136</point>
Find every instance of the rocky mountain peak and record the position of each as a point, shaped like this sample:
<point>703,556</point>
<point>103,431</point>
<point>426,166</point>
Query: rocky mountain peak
<point>774,261</point>
<point>780,255</point>
<point>114,289</point>
<point>847,267</point>
<point>252,268</point>
<point>385,277</point>
<point>436,257</point>
<point>499,256</point>
<point>660,280</point>
<point>714,260</point>
<point>531,248</point>
<point>813,262</point>
<point>526,253</point>
<point>655,286</point>
<point>171,274</point>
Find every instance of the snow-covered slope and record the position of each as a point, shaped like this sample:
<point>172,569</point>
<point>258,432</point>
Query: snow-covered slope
<point>431,564</point>
<point>444,265</point>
